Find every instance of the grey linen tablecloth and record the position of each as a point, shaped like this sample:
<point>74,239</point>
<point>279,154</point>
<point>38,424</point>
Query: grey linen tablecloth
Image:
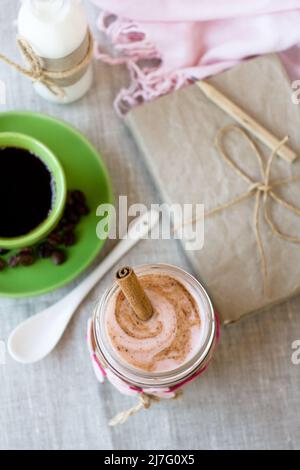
<point>248,398</point>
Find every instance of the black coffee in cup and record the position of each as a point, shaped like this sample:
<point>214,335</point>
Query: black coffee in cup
<point>26,192</point>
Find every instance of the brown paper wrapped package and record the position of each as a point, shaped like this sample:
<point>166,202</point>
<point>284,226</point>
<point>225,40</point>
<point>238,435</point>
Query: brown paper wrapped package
<point>176,134</point>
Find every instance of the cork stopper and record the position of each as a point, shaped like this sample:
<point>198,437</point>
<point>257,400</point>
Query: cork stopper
<point>134,293</point>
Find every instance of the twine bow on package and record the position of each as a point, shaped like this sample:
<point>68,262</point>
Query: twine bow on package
<point>198,154</point>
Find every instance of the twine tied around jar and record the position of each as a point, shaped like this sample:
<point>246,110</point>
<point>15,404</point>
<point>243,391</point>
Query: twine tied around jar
<point>262,190</point>
<point>145,401</point>
<point>37,72</point>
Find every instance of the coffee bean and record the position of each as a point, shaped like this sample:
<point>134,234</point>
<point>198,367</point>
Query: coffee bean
<point>45,250</point>
<point>70,199</point>
<point>64,234</point>
<point>69,239</point>
<point>82,209</point>
<point>54,239</point>
<point>2,264</point>
<point>69,227</point>
<point>72,215</point>
<point>61,224</point>
<point>26,251</point>
<point>14,261</point>
<point>58,257</point>
<point>27,260</point>
<point>78,196</point>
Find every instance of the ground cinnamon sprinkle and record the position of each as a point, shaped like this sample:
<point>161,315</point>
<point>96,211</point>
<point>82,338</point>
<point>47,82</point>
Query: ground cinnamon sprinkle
<point>166,340</point>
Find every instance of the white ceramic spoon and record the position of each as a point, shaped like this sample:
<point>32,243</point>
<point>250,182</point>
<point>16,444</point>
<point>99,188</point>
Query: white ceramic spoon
<point>36,337</point>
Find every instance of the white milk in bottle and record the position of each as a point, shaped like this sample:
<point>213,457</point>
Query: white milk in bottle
<point>57,30</point>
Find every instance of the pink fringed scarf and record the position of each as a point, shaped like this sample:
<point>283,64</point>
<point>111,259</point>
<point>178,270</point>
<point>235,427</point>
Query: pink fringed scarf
<point>165,43</point>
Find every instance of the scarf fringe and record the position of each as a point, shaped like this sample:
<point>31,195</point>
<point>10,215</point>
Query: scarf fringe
<point>131,47</point>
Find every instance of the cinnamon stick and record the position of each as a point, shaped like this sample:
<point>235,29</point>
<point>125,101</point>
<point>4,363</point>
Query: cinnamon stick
<point>239,115</point>
<point>134,293</point>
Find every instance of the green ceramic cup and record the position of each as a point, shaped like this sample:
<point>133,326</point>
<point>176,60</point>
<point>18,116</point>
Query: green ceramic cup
<point>12,139</point>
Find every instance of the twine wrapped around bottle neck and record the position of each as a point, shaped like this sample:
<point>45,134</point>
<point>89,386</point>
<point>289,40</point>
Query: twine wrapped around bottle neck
<point>37,71</point>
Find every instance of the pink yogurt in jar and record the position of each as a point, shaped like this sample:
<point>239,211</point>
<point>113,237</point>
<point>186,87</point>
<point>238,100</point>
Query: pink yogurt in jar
<point>162,354</point>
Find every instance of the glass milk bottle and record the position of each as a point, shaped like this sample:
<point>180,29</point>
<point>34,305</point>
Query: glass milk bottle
<point>57,30</point>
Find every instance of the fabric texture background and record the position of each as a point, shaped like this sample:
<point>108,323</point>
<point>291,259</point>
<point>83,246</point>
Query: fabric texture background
<point>249,396</point>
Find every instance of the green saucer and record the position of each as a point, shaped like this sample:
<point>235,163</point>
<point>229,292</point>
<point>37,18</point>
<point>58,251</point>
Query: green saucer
<point>84,170</point>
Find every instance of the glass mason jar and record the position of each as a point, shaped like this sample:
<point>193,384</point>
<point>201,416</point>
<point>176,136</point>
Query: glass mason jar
<point>131,380</point>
